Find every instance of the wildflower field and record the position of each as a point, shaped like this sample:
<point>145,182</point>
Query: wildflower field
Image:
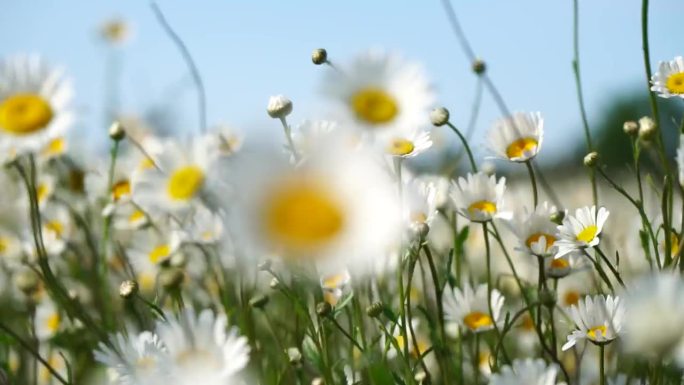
<point>363,248</point>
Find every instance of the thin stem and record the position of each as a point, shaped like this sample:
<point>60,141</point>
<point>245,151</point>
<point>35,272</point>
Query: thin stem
<point>465,145</point>
<point>288,137</point>
<point>580,94</point>
<point>187,57</point>
<point>612,268</point>
<point>533,181</point>
<point>489,291</point>
<point>34,353</point>
<point>602,364</point>
<point>346,334</point>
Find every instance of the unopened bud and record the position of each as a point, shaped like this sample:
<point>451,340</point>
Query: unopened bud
<point>548,298</point>
<point>375,309</point>
<point>116,131</point>
<point>420,229</point>
<point>420,377</point>
<point>317,381</point>
<point>294,356</point>
<point>591,159</point>
<point>479,66</point>
<point>319,56</point>
<point>630,128</point>
<point>323,309</point>
<point>274,284</point>
<point>647,128</point>
<point>558,217</point>
<point>439,116</point>
<point>279,107</point>
<point>128,289</point>
<point>258,301</point>
<point>27,281</point>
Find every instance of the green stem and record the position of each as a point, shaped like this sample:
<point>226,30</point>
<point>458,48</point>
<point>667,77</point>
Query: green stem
<point>533,181</point>
<point>465,146</point>
<point>602,364</point>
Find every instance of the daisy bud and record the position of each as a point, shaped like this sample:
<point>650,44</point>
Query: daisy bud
<point>508,286</point>
<point>317,381</point>
<point>479,66</point>
<point>265,265</point>
<point>558,217</point>
<point>420,377</point>
<point>488,168</point>
<point>27,282</point>
<point>279,107</point>
<point>647,128</point>
<point>171,278</point>
<point>591,159</point>
<point>439,116</point>
<point>274,283</point>
<point>128,289</point>
<point>323,309</point>
<point>548,298</point>
<point>375,309</point>
<point>116,131</point>
<point>294,355</point>
<point>630,128</point>
<point>258,301</point>
<point>319,56</point>
<point>421,230</point>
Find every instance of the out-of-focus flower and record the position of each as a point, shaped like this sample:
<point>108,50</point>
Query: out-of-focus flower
<point>669,80</point>
<point>134,359</point>
<point>526,372</point>
<point>48,320</point>
<point>115,31</point>
<point>470,309</point>
<point>517,138</point>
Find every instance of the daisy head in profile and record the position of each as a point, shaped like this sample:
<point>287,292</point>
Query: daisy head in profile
<point>470,308</point>
<point>581,230</point>
<point>535,231</point>
<point>35,107</point>
<point>517,138</point>
<point>479,197</point>
<point>668,81</point>
<point>598,319</point>
<point>380,92</point>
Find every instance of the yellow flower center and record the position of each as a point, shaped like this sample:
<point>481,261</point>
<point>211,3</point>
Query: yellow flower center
<point>24,114</point>
<point>571,298</point>
<point>136,216</point>
<point>159,253</point>
<point>675,83</point>
<point>587,234</point>
<point>483,206</point>
<point>527,323</point>
<point>4,245</point>
<point>674,244</point>
<point>121,189</point>
<point>146,281</point>
<point>374,106</point>
<point>334,281</point>
<point>55,227</point>
<point>518,148</point>
<point>52,322</point>
<point>592,333</point>
<point>146,163</point>
<point>560,263</point>
<point>185,182</point>
<point>302,216</point>
<point>476,320</point>
<point>419,217</point>
<point>42,192</point>
<point>534,238</point>
<point>400,147</point>
<point>55,147</point>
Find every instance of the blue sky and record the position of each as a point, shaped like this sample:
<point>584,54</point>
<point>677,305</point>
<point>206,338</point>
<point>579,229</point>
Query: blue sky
<point>247,51</point>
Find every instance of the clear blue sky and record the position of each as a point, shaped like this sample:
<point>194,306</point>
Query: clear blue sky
<point>248,50</point>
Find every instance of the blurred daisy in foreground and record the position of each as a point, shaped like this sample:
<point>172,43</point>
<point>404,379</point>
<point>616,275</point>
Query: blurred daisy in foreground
<point>581,230</point>
<point>479,197</point>
<point>34,105</point>
<point>654,323</point>
<point>380,93</point>
<point>180,178</point>
<point>669,80</point>
<point>470,309</point>
<point>201,349</point>
<point>599,320</point>
<point>526,372</point>
<point>136,360</point>
<point>535,231</point>
<point>314,212</point>
<point>517,138</point>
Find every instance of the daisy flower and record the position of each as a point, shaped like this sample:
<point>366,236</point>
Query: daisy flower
<point>54,149</point>
<point>34,105</point>
<point>470,309</point>
<point>380,93</point>
<point>204,226</point>
<point>135,359</point>
<point>201,349</point>
<point>48,320</point>
<point>313,212</point>
<point>419,205</point>
<point>526,372</point>
<point>179,180</point>
<point>599,320</point>
<point>129,217</point>
<point>56,361</point>
<point>479,197</point>
<point>422,343</point>
<point>581,230</point>
<point>669,80</point>
<point>562,267</point>
<point>654,323</point>
<point>535,231</point>
<point>148,251</point>
<point>408,145</point>
<point>334,286</point>
<point>517,138</point>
